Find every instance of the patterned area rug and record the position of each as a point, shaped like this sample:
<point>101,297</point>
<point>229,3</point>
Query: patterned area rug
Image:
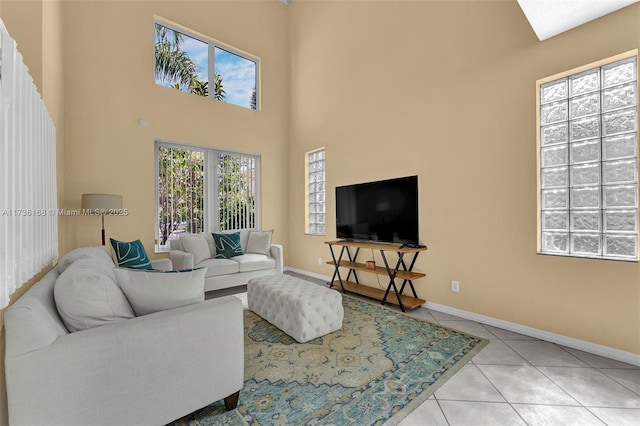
<point>379,367</point>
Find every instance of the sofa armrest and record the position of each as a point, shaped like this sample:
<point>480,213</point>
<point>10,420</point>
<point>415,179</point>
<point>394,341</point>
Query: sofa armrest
<point>277,254</point>
<point>162,264</point>
<point>28,329</point>
<point>181,259</point>
<point>166,364</point>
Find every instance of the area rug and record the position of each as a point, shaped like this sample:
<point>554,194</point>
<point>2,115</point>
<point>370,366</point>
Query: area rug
<point>380,366</point>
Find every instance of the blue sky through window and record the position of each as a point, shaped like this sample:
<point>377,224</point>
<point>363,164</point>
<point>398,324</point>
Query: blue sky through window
<point>198,51</point>
<point>237,72</point>
<point>238,76</point>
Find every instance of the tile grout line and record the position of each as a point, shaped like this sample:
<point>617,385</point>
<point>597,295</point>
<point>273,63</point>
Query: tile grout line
<point>498,390</point>
<point>430,317</point>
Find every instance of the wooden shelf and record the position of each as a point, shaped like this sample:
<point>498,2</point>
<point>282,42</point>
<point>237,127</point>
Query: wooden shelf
<point>378,294</point>
<point>379,270</point>
<point>392,289</point>
<point>398,248</point>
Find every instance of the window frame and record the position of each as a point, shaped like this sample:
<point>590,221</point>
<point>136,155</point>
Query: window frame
<point>307,203</point>
<point>212,43</point>
<point>211,187</point>
<point>602,232</point>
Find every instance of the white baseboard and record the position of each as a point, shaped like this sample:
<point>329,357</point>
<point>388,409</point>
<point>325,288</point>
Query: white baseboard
<point>594,348</point>
<point>582,345</point>
<point>311,274</point>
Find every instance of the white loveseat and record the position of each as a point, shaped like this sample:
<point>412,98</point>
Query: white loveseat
<point>133,370</point>
<point>187,252</point>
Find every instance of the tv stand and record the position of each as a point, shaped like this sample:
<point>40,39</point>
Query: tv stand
<point>399,271</point>
<point>413,246</point>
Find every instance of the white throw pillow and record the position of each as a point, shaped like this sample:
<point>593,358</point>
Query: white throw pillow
<point>197,246</point>
<point>212,245</point>
<point>153,291</point>
<point>87,297</point>
<point>98,253</point>
<point>259,242</point>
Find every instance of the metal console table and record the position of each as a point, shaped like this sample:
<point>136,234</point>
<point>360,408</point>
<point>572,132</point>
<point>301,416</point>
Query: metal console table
<point>400,271</point>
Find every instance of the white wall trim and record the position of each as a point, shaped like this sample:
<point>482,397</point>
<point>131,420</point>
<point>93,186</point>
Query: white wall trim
<point>582,345</point>
<point>311,274</point>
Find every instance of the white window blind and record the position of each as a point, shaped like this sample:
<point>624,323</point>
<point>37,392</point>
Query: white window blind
<point>28,194</point>
<point>202,189</point>
<point>237,183</point>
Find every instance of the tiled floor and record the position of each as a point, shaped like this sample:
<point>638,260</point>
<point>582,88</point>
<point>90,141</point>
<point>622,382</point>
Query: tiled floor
<point>519,380</point>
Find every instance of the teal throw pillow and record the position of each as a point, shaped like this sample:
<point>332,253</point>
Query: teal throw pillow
<point>227,245</point>
<point>130,254</point>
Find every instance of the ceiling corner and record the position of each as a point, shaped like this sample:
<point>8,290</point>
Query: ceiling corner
<point>549,18</point>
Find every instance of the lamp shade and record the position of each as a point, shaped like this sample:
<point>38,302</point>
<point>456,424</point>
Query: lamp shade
<point>102,202</point>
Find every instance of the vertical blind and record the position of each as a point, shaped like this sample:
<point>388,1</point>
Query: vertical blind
<point>200,189</point>
<point>237,182</point>
<point>180,192</point>
<point>28,194</point>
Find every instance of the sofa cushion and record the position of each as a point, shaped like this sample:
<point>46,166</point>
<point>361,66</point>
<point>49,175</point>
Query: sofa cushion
<point>208,236</point>
<point>153,291</point>
<point>254,262</point>
<point>197,245</point>
<point>217,267</point>
<point>227,244</point>
<point>130,254</point>
<point>259,242</point>
<point>88,297</point>
<point>244,238</point>
<point>100,254</point>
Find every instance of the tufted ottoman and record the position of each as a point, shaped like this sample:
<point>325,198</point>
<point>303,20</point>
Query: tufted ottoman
<point>301,309</point>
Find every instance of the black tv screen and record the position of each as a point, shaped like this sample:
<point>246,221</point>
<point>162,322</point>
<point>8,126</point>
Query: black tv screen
<point>382,211</point>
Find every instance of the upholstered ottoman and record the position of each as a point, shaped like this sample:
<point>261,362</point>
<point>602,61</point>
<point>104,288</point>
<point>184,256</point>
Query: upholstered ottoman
<point>301,309</point>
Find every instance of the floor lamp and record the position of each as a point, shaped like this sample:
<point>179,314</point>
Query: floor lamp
<point>101,204</point>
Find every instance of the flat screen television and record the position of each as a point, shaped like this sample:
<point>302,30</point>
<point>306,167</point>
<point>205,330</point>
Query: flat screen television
<point>382,211</point>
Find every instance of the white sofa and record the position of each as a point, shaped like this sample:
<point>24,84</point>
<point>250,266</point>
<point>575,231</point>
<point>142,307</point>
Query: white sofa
<point>149,369</point>
<point>224,273</point>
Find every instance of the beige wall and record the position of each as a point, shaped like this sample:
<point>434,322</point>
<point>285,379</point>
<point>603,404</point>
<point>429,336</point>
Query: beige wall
<point>24,21</point>
<point>106,52</point>
<point>446,90</point>
<point>36,26</point>
<point>109,86</point>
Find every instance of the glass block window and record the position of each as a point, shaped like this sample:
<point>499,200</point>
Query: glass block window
<point>315,197</point>
<point>588,161</point>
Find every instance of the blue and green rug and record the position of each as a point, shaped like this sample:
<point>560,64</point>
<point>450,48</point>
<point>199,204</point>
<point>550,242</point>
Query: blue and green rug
<point>379,367</point>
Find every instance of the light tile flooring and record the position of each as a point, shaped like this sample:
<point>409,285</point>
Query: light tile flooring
<point>519,380</point>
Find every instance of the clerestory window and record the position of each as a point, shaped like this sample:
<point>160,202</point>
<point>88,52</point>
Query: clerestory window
<point>190,62</point>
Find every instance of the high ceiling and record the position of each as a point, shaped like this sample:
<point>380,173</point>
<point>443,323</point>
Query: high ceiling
<point>552,17</point>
